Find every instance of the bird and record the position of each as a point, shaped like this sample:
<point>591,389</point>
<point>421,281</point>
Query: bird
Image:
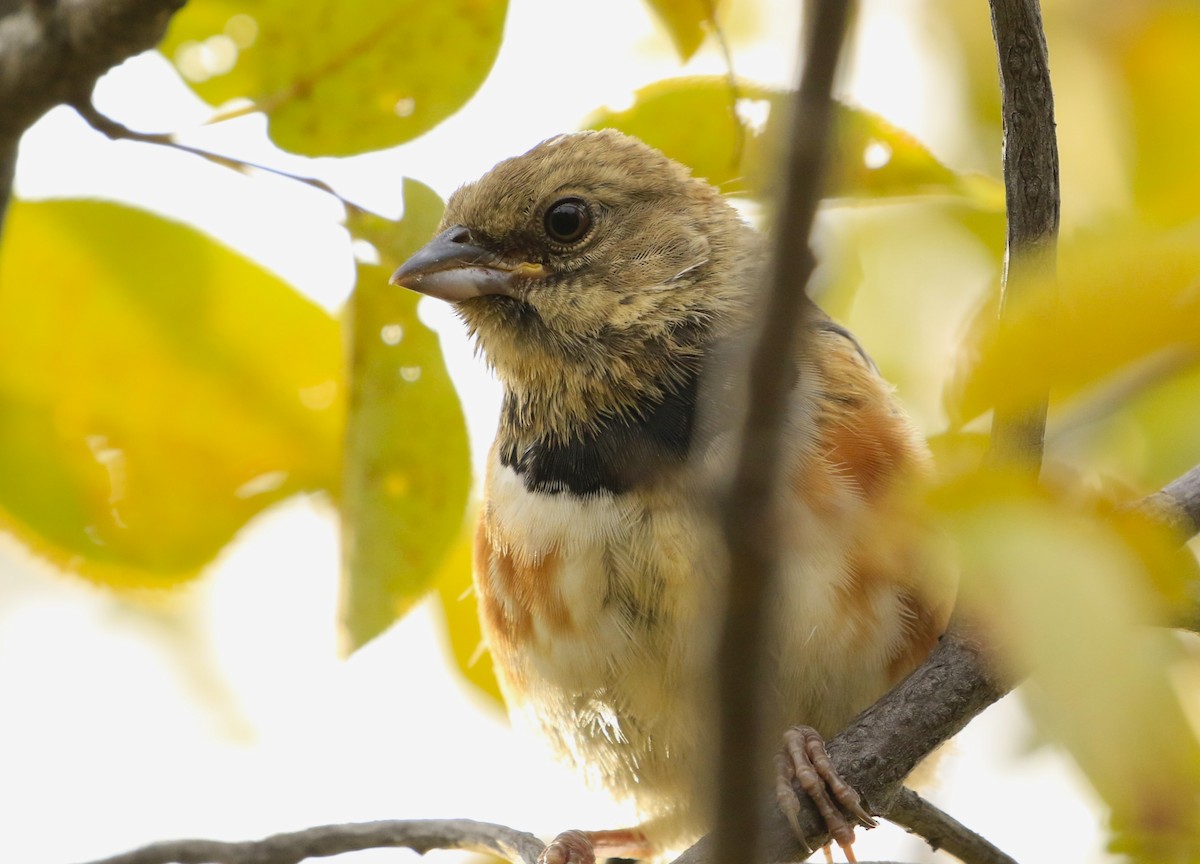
<point>603,284</point>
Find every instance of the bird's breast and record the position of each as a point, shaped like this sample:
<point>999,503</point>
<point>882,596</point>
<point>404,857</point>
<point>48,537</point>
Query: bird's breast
<point>593,608</point>
<point>577,588</point>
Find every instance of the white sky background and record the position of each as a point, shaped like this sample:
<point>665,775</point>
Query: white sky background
<point>115,730</point>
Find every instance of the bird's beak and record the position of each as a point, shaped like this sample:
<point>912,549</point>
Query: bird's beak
<point>451,267</point>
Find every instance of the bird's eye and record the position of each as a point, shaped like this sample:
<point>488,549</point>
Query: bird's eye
<point>568,220</point>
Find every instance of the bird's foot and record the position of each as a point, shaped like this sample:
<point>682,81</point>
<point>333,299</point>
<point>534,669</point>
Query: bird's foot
<point>569,847</point>
<point>802,761</point>
<point>580,847</point>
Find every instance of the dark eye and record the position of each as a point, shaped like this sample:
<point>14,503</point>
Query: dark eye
<point>568,220</point>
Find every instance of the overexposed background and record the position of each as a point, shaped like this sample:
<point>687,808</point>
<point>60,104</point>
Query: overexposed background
<point>223,712</point>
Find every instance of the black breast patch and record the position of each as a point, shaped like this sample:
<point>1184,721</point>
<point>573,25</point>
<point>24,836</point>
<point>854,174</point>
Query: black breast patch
<point>618,453</point>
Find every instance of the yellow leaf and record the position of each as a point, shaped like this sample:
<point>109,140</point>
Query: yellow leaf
<point>457,594</point>
<point>1166,418</point>
<point>1068,599</point>
<point>156,391</point>
<point>1122,296</point>
<point>1157,50</point>
<point>407,466</point>
<point>338,78</point>
<point>693,120</point>
<point>685,21</point>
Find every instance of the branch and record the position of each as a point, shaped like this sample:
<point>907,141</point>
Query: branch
<point>116,131</point>
<point>1031,197</point>
<point>1176,505</point>
<point>420,835</point>
<point>943,831</point>
<point>8,166</point>
<point>51,52</point>
<point>748,517</point>
<point>731,79</point>
<point>878,750</point>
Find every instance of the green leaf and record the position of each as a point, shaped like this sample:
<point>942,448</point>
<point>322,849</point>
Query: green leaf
<point>156,391</point>
<point>407,463</point>
<point>396,241</point>
<point>692,120</point>
<point>338,78</point>
<point>685,21</point>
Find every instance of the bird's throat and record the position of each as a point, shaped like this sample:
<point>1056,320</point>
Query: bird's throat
<point>610,452</point>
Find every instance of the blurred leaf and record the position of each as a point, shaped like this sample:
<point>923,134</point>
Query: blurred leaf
<point>396,241</point>
<point>690,120</point>
<point>685,21</point>
<point>1068,599</point>
<point>975,79</point>
<point>1171,569</point>
<point>1158,54</point>
<point>407,466</point>
<point>1168,416</point>
<point>1137,427</point>
<point>156,391</point>
<point>1123,295</point>
<point>958,453</point>
<point>874,158</point>
<point>456,591</point>
<point>338,78</point>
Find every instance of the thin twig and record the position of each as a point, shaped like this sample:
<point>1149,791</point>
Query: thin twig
<point>118,131</point>
<point>420,835</point>
<point>747,514</point>
<point>1031,194</point>
<point>8,166</point>
<point>735,91</point>
<point>943,831</point>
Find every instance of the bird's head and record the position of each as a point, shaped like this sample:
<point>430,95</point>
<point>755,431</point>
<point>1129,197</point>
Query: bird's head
<point>592,265</point>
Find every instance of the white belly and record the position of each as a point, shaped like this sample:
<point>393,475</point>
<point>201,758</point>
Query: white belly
<point>621,691</point>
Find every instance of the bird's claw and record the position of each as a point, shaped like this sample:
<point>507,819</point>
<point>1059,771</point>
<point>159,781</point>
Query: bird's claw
<point>803,761</point>
<point>569,847</point>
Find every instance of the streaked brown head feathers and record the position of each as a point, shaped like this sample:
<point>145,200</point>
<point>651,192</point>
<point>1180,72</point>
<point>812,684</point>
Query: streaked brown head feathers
<point>595,270</point>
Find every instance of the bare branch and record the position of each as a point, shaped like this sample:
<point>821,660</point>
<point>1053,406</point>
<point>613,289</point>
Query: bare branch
<point>943,831</point>
<point>731,80</point>
<point>116,131</point>
<point>52,52</point>
<point>878,750</point>
<point>420,835</point>
<point>747,515</point>
<point>1176,505</point>
<point>8,165</point>
<point>1031,197</point>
